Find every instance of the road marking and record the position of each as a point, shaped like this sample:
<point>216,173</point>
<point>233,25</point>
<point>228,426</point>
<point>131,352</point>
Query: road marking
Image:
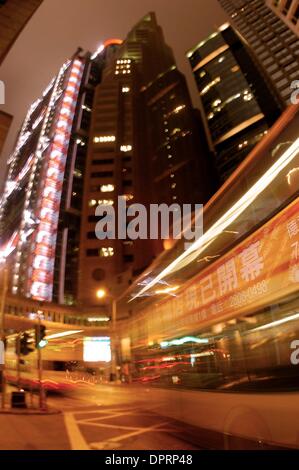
<point>136,433</point>
<point>76,439</point>
<point>113,426</point>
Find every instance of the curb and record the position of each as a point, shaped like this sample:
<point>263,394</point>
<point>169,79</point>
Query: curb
<point>29,412</point>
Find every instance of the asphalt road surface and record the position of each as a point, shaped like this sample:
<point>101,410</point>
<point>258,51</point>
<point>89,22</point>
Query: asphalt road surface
<point>108,417</point>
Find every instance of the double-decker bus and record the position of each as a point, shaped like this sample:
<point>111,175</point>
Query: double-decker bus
<point>214,329</point>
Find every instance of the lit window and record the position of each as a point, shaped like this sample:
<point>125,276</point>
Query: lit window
<point>128,197</point>
<point>80,142</point>
<point>207,88</point>
<point>107,252</point>
<point>104,139</point>
<point>126,148</point>
<point>125,89</point>
<point>78,173</point>
<point>248,96</point>
<point>179,108</point>
<point>86,108</point>
<point>107,188</point>
<point>176,131</point>
<point>105,202</point>
<point>216,103</point>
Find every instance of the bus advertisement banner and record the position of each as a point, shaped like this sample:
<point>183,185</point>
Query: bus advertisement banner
<point>258,272</point>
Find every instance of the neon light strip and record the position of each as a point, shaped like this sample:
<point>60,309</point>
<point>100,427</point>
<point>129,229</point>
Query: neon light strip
<point>230,216</point>
<point>38,154</point>
<point>41,282</point>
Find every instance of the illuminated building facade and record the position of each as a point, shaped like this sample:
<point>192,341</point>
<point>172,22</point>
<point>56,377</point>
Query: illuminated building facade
<point>5,122</point>
<point>271,41</point>
<point>41,205</point>
<point>238,102</point>
<point>94,135</point>
<point>14,15</point>
<point>288,11</point>
<point>128,141</point>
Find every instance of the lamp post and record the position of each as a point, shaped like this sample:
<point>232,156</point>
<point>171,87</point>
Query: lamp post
<point>102,294</point>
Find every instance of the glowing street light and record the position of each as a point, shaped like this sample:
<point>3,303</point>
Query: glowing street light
<point>101,293</point>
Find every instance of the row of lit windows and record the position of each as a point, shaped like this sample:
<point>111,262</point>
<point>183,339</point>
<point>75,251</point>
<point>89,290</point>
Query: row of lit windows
<point>109,202</point>
<point>104,139</point>
<point>218,105</point>
<point>100,202</point>
<point>111,139</point>
<point>105,252</point>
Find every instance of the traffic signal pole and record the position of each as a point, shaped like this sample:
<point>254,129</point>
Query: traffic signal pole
<point>2,331</point>
<point>40,367</point>
<point>18,351</point>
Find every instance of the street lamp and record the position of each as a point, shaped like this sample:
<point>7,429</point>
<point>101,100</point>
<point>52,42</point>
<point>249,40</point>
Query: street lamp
<point>102,294</point>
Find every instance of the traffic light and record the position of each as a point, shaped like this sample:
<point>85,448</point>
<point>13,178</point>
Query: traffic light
<point>40,333</point>
<point>25,346</point>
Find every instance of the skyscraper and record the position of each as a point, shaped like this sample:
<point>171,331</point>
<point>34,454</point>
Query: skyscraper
<point>143,146</point>
<point>40,207</point>
<point>5,122</point>
<point>272,42</point>
<point>177,147</point>
<point>238,102</point>
<point>95,134</point>
<point>14,15</point>
<point>288,11</point>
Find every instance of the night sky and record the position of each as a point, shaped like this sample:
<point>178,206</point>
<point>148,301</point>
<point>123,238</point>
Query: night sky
<point>60,26</point>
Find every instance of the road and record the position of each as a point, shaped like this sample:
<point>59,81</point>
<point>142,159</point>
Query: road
<point>110,417</point>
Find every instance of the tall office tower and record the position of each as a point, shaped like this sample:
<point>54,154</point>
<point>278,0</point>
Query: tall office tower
<point>238,102</point>
<point>41,204</point>
<point>177,147</point>
<point>5,122</point>
<point>14,15</point>
<point>288,11</point>
<point>128,134</point>
<point>271,41</point>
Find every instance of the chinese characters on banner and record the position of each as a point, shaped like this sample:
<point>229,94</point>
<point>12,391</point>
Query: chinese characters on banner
<point>260,271</point>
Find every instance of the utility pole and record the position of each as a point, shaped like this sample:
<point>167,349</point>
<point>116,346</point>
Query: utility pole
<point>2,331</point>
<point>18,351</point>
